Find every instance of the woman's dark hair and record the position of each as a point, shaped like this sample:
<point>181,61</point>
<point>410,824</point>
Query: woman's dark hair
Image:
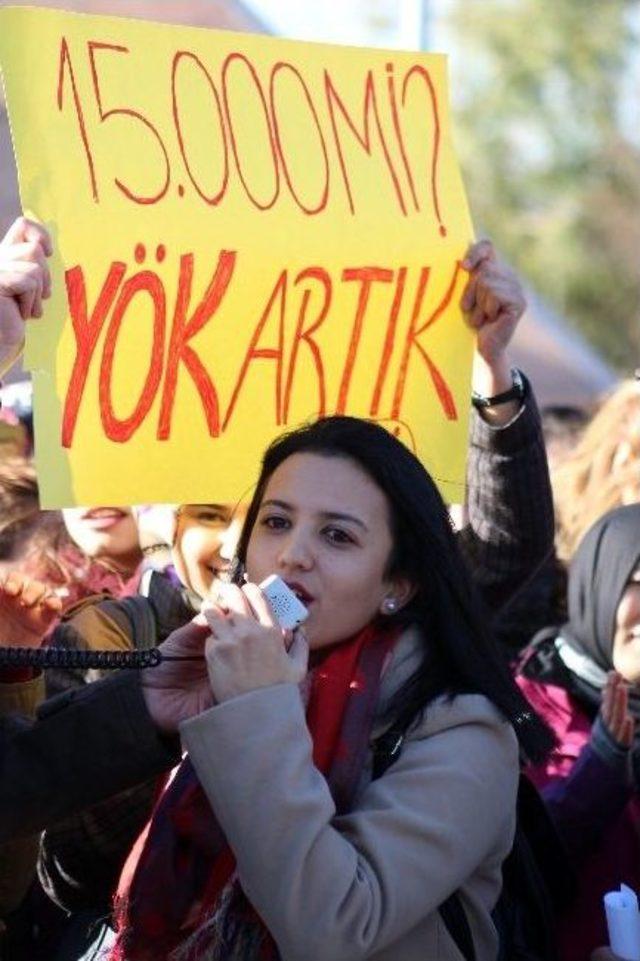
<point>462,656</point>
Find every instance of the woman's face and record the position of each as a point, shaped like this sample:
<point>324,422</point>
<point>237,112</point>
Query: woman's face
<point>206,539</point>
<point>626,638</point>
<point>324,527</point>
<point>105,533</point>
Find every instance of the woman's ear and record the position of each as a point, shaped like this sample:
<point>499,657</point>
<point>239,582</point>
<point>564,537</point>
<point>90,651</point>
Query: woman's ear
<point>398,594</point>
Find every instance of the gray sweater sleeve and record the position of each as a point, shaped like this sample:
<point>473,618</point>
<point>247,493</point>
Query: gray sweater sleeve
<point>511,526</point>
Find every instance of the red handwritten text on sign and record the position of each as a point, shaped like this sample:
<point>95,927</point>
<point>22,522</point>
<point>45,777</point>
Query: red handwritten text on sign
<point>101,322</point>
<point>332,127</point>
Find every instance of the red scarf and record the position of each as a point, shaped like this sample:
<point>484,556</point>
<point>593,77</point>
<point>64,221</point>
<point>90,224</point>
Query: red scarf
<point>181,865</point>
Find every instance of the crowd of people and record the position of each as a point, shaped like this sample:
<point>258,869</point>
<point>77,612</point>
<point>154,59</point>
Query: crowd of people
<point>441,763</point>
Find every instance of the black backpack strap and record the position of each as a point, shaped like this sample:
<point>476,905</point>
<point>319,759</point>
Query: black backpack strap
<point>387,749</point>
<point>455,921</point>
<point>539,837</point>
<point>140,619</point>
<point>173,606</point>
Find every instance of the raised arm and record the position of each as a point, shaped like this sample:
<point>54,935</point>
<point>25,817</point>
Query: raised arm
<point>510,507</point>
<point>592,797</point>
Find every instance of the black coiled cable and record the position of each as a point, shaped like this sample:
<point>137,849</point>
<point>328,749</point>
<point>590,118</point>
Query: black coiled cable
<point>46,657</point>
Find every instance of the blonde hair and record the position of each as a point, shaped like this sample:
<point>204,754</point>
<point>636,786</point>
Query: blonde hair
<point>603,470</point>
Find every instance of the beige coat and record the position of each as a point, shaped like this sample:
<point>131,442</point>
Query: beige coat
<point>367,884</point>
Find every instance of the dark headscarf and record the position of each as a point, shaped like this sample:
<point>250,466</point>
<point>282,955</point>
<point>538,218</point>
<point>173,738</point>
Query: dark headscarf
<point>605,560</point>
<point>600,570</point>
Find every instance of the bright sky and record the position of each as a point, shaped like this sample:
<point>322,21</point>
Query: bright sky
<point>381,23</point>
<point>406,25</point>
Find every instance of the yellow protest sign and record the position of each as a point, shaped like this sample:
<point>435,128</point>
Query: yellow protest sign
<point>249,232</point>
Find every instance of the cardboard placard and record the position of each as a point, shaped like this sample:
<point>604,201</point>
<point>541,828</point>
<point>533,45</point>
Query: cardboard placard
<point>249,232</point>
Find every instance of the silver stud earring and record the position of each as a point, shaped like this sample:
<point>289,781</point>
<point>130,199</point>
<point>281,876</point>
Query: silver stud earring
<point>389,605</point>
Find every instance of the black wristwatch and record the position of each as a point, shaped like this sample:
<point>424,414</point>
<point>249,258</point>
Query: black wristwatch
<point>516,392</point>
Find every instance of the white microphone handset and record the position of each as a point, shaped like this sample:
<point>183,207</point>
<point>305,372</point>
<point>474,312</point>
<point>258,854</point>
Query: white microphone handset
<point>288,609</point>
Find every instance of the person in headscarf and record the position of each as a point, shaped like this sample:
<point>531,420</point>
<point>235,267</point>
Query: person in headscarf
<point>584,679</point>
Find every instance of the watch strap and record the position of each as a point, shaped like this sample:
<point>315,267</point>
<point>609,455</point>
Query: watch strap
<point>516,392</point>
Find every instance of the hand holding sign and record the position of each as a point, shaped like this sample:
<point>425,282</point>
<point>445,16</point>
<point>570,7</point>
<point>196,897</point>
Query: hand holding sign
<point>493,300</point>
<point>24,283</point>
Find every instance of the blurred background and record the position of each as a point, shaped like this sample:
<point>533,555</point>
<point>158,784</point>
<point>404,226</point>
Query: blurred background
<point>546,116</point>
